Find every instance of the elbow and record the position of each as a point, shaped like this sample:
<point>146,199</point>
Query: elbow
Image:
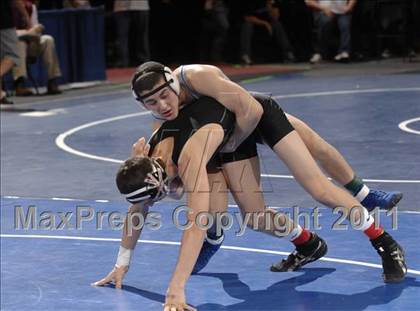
<point>252,116</point>
<point>258,113</point>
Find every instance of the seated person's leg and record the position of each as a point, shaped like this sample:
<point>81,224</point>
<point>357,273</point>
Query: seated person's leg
<point>8,57</point>
<point>19,71</point>
<point>50,59</point>
<point>6,64</point>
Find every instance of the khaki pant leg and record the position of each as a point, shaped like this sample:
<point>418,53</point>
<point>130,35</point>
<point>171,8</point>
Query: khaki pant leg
<point>19,70</point>
<point>49,56</point>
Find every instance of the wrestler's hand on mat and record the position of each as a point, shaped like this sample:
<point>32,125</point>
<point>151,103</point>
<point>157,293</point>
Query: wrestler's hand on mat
<point>175,301</point>
<point>140,148</point>
<point>116,275</point>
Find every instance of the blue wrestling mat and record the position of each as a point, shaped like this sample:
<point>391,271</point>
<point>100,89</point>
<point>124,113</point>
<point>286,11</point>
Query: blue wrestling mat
<point>59,160</point>
<point>50,264</point>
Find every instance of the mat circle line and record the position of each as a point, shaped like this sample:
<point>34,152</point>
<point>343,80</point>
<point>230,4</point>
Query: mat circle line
<point>235,248</point>
<point>60,139</point>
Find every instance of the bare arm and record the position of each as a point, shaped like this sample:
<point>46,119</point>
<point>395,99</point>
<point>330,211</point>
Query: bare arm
<point>131,231</point>
<point>350,6</point>
<point>212,82</point>
<point>259,22</point>
<point>131,234</point>
<point>314,4</point>
<point>255,20</point>
<point>194,175</point>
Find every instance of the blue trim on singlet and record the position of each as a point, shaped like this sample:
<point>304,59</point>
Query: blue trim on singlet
<point>184,82</point>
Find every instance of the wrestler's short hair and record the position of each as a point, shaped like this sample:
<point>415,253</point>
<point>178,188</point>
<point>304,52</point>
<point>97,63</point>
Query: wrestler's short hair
<point>132,173</point>
<point>147,75</point>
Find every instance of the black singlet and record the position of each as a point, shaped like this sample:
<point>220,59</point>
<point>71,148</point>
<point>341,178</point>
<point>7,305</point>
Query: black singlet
<point>273,126</point>
<point>202,111</point>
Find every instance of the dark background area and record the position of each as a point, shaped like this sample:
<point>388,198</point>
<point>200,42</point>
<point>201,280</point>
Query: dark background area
<point>175,30</point>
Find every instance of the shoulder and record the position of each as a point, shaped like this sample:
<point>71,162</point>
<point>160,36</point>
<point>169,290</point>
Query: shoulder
<point>159,136</point>
<point>160,143</point>
<point>193,71</point>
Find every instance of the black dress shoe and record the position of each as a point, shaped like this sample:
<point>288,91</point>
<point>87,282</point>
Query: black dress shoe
<point>5,101</point>
<point>52,88</point>
<point>21,89</point>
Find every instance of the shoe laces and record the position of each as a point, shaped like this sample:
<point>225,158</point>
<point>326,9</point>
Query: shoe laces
<point>379,193</point>
<point>293,261</point>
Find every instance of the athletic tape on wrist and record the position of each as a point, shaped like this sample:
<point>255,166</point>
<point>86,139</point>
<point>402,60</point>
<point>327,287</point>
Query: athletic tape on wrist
<point>124,257</point>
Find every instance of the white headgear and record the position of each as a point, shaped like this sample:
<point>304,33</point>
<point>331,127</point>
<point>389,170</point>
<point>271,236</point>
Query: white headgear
<point>170,80</point>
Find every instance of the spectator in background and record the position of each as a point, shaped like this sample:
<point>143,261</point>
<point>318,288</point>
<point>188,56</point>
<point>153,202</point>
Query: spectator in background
<point>263,13</point>
<point>296,19</point>
<point>33,43</point>
<point>132,14</point>
<point>395,27</point>
<point>49,4</point>
<point>326,14</point>
<point>76,4</point>
<point>215,26</point>
<point>8,40</point>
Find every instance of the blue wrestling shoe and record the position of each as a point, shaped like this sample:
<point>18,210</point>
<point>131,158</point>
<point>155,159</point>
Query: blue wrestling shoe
<point>209,248</point>
<point>385,200</point>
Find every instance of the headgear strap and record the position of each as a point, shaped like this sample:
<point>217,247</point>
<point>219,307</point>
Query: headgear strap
<point>155,187</point>
<point>170,80</point>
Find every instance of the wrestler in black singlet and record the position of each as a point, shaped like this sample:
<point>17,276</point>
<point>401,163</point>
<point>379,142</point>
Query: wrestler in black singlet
<point>273,126</point>
<point>193,116</point>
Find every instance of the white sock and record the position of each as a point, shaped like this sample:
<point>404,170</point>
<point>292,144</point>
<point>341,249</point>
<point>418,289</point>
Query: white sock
<point>363,193</point>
